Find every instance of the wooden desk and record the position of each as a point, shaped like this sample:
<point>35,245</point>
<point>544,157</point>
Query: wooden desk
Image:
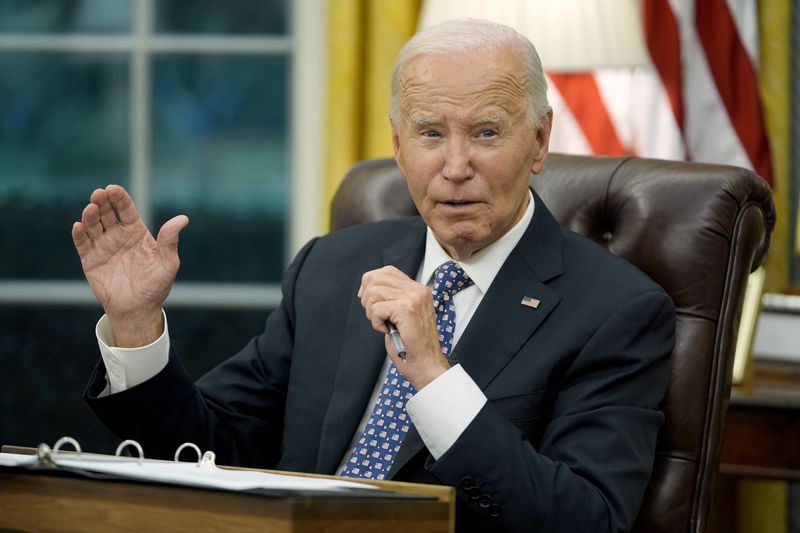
<point>36,502</point>
<point>762,441</point>
<point>762,433</point>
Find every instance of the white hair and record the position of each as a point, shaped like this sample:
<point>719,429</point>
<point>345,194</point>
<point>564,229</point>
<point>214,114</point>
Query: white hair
<point>472,37</point>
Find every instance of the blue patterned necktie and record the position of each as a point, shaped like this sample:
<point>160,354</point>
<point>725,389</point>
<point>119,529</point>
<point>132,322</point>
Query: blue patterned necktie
<point>448,279</point>
<point>388,422</point>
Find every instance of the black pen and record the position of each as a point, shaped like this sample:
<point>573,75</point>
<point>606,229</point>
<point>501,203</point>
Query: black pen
<point>396,340</point>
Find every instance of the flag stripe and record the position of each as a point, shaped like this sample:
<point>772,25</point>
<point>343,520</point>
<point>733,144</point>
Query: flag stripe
<point>566,135</point>
<point>638,104</point>
<point>664,45</point>
<point>581,95</point>
<point>745,16</point>
<point>735,79</point>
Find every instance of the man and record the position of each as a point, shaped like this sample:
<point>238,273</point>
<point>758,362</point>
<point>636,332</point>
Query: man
<point>532,374</point>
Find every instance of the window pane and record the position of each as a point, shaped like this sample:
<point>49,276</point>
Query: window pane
<point>220,156</point>
<point>213,16</point>
<point>63,132</point>
<point>47,355</point>
<point>62,16</point>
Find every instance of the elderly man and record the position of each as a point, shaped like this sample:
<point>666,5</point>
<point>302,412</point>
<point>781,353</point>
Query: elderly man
<point>534,360</point>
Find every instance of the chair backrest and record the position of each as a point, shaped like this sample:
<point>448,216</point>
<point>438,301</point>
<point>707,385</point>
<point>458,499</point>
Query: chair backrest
<point>696,229</point>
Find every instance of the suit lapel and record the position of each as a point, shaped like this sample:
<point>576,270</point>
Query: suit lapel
<point>534,261</point>
<point>502,324</point>
<point>481,351</point>
<point>362,358</point>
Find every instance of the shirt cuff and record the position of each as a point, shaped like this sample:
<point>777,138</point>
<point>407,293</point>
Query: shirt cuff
<point>128,367</point>
<point>443,409</point>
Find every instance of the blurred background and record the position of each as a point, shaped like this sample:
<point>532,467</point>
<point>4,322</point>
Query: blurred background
<point>245,114</point>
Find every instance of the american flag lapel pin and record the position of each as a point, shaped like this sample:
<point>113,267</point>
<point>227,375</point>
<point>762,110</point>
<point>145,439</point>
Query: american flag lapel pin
<point>530,302</point>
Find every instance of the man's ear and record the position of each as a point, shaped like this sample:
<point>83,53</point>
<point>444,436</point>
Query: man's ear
<point>542,142</point>
<point>396,145</point>
<point>395,138</point>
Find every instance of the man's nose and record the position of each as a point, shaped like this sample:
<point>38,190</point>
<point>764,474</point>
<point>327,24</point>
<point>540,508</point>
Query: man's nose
<point>457,160</point>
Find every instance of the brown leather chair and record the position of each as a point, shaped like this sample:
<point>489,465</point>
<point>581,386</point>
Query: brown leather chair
<point>698,230</point>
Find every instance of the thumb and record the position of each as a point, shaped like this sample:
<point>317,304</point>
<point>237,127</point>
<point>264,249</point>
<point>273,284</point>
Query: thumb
<point>169,232</point>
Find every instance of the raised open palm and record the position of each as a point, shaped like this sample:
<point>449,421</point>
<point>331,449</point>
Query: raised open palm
<point>129,271</point>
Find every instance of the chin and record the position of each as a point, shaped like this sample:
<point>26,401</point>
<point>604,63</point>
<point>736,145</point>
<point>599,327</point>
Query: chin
<point>461,246</point>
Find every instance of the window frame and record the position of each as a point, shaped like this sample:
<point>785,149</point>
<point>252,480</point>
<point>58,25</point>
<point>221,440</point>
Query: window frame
<point>304,47</point>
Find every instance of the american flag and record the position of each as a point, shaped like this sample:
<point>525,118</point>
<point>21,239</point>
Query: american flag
<point>695,96</point>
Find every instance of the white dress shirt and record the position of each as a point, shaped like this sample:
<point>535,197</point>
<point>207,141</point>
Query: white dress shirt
<point>441,411</point>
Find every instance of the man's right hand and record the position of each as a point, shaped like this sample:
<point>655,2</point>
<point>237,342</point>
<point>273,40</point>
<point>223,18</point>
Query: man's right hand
<point>129,271</point>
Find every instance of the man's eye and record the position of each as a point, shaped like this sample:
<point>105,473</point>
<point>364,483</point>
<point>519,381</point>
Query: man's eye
<point>488,134</point>
<point>430,133</point>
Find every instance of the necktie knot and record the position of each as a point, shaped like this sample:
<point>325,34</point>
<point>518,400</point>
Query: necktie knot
<point>448,279</point>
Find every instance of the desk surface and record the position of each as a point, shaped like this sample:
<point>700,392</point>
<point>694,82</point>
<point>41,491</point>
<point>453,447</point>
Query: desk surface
<point>36,501</point>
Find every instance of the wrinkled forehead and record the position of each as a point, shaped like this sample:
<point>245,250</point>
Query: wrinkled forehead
<point>492,79</point>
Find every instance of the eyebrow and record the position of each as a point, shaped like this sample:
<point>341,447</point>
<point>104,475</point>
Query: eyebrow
<point>427,121</point>
<point>422,121</point>
<point>492,119</point>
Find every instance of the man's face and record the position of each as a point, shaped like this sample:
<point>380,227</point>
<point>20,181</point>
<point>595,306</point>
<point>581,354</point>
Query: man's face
<point>463,143</point>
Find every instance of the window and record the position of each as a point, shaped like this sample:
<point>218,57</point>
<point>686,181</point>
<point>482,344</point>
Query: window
<point>187,104</point>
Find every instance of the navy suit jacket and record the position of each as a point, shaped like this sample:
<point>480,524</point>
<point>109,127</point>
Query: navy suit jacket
<point>566,441</point>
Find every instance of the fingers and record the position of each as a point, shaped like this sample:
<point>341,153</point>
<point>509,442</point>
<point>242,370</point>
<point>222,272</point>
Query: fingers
<point>108,217</point>
<point>107,208</point>
<point>389,276</point>
<point>381,306</point>
<point>80,238</point>
<point>382,284</point>
<point>90,218</point>
<point>102,212</point>
<point>122,204</point>
<point>388,294</point>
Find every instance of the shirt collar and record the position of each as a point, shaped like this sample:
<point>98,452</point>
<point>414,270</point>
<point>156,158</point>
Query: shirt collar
<point>484,264</point>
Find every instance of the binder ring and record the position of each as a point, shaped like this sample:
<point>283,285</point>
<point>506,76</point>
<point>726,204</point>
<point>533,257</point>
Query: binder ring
<point>130,442</point>
<point>188,445</point>
<point>43,453</point>
<point>208,459</point>
<point>66,440</point>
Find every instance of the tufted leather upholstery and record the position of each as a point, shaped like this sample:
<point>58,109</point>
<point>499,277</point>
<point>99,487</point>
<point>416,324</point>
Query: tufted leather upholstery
<point>697,230</point>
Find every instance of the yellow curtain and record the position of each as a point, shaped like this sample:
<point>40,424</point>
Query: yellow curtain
<point>774,18</point>
<point>762,504</point>
<point>364,37</point>
<point>762,507</point>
